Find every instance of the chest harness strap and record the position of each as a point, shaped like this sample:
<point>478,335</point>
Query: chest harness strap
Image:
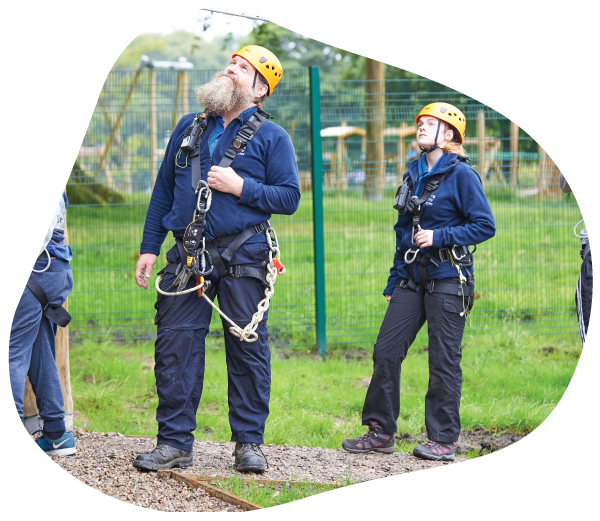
<point>200,256</point>
<point>57,314</point>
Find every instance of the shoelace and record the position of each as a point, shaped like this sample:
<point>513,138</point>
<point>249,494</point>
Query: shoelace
<point>371,433</point>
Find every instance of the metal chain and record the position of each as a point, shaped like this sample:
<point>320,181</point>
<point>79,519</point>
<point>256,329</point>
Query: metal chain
<point>249,332</point>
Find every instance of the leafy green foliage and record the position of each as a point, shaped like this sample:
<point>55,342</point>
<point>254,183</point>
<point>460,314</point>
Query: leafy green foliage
<point>203,54</point>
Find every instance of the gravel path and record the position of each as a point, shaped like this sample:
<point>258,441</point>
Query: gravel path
<point>214,458</point>
<point>103,461</point>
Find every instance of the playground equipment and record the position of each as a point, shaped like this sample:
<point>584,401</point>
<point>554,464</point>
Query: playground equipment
<point>180,107</point>
<point>337,175</point>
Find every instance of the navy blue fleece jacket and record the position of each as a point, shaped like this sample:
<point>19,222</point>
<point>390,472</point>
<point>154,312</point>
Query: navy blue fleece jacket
<point>458,212</point>
<point>271,186</point>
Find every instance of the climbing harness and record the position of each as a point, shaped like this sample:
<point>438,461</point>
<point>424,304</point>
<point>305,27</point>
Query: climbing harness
<point>584,237</point>
<point>200,256</point>
<point>457,255</point>
<point>56,314</point>
<point>58,224</point>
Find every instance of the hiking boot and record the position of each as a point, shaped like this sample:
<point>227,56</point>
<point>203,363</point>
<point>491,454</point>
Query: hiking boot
<point>373,441</point>
<point>435,451</point>
<point>163,457</point>
<point>249,458</point>
<point>63,446</point>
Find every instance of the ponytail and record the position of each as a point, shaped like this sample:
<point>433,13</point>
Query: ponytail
<point>455,146</point>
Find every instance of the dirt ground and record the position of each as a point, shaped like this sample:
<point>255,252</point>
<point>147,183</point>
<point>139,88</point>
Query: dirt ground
<point>478,441</point>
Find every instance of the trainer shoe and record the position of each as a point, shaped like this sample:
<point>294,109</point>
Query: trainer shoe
<point>249,458</point>
<point>373,441</point>
<point>163,457</point>
<point>435,451</point>
<point>63,446</point>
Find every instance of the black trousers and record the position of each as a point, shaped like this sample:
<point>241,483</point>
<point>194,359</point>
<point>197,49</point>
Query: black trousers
<point>405,316</point>
<point>583,296</point>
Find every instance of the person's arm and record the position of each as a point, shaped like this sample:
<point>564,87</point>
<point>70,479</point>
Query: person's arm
<point>161,201</point>
<point>564,186</point>
<point>473,204</point>
<point>393,278</point>
<point>281,192</point>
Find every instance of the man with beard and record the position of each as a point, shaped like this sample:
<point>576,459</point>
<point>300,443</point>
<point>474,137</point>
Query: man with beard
<point>262,180</point>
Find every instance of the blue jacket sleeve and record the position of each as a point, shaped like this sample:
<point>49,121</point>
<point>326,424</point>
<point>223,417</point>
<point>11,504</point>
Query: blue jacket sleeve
<point>394,276</point>
<point>473,204</point>
<point>161,201</point>
<point>281,192</point>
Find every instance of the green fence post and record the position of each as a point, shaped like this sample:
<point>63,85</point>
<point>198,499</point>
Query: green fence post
<point>317,194</point>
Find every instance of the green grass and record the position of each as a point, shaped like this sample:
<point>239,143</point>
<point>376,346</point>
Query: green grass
<point>272,495</point>
<point>512,381</point>
<point>529,270</point>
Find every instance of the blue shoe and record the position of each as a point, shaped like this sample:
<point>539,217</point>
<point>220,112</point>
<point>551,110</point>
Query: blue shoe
<point>63,446</point>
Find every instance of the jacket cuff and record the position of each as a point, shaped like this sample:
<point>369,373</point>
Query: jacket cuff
<point>389,289</point>
<point>248,191</point>
<point>146,248</point>
<point>437,239</point>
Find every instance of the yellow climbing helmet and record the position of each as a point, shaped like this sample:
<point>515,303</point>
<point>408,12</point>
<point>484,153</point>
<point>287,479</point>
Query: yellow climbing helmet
<point>265,62</point>
<point>448,113</point>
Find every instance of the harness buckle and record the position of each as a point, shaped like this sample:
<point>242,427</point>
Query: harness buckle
<point>238,143</point>
<point>260,227</point>
<point>234,271</point>
<point>430,286</point>
<point>444,255</point>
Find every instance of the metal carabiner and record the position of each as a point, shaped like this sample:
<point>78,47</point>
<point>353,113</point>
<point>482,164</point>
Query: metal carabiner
<point>458,258</point>
<point>575,231</point>
<point>414,252</point>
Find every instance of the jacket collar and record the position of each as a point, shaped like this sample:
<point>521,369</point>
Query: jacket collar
<point>446,162</point>
<point>243,117</point>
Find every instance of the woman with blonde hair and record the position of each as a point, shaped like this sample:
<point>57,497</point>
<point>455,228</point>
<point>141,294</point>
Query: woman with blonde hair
<point>442,210</point>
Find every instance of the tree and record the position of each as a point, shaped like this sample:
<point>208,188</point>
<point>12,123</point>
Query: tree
<point>203,54</point>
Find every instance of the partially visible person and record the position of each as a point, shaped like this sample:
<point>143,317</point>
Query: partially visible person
<point>32,346</point>
<point>583,293</point>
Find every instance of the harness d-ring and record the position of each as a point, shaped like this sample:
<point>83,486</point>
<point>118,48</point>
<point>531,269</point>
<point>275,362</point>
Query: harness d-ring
<point>414,256</point>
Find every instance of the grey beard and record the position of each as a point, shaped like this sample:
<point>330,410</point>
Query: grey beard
<point>222,97</point>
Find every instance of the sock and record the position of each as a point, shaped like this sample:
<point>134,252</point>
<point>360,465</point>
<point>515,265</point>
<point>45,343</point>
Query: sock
<point>53,435</point>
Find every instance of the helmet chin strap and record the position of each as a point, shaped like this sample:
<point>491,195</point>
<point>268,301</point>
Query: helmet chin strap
<point>435,145</point>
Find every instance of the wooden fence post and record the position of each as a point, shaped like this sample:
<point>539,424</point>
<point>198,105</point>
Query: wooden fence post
<point>153,129</point>
<point>375,105</point>
<point>514,153</point>
<point>482,164</point>
<point>30,411</point>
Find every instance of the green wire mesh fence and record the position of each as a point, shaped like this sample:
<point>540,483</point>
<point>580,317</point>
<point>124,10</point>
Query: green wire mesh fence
<point>526,274</point>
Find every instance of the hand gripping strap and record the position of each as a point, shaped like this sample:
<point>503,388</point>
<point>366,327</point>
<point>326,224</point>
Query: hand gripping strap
<point>244,134</point>
<point>58,315</point>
